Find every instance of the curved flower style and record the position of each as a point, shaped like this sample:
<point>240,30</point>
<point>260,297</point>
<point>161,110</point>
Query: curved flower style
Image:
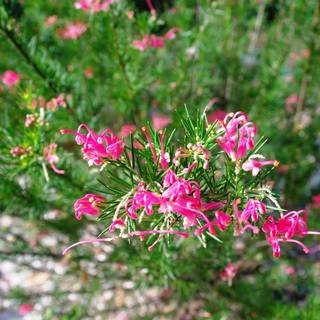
<point>10,78</point>
<point>89,204</point>
<point>238,134</point>
<point>97,147</point>
<point>49,153</point>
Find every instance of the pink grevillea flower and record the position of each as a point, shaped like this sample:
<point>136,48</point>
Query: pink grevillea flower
<point>151,8</point>
<point>141,45</point>
<point>292,101</point>
<point>89,204</point>
<point>156,41</point>
<point>25,308</point>
<point>19,151</point>
<point>172,33</point>
<point>254,165</point>
<point>237,137</point>
<point>10,78</point>
<point>130,14</point>
<point>72,31</point>
<point>93,5</point>
<point>118,223</point>
<point>229,272</point>
<point>128,129</point>
<point>160,121</point>
<point>285,228</point>
<point>51,20</point>
<point>252,210</point>
<point>97,147</point>
<point>55,103</point>
<point>49,153</point>
<point>217,115</point>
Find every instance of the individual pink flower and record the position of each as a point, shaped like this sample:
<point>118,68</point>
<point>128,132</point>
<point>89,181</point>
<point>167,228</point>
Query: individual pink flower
<point>285,228</point>
<point>89,205</point>
<point>253,210</point>
<point>55,103</point>
<point>128,129</point>
<point>217,115</point>
<point>229,272</point>
<point>19,151</point>
<point>160,121</point>
<point>254,165</point>
<point>172,33</point>
<point>10,78</point>
<point>165,157</point>
<point>30,120</point>
<point>51,20</point>
<point>49,153</point>
<point>72,31</point>
<point>118,223</point>
<point>238,134</point>
<point>156,41</point>
<point>141,45</point>
<point>130,14</point>
<point>88,73</point>
<point>97,147</point>
<point>25,308</point>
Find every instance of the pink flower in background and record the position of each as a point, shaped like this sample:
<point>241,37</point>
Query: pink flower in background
<point>89,204</point>
<point>292,101</point>
<point>217,115</point>
<point>229,272</point>
<point>127,129</point>
<point>97,147</point>
<point>10,78</point>
<point>316,201</point>
<point>88,73</point>
<point>254,165</point>
<point>130,14</point>
<point>160,121</point>
<point>51,20</point>
<point>72,31</point>
<point>49,153</point>
<point>151,8</point>
<point>19,151</point>
<point>93,5</point>
<point>141,45</point>
<point>172,33</point>
<point>55,103</point>
<point>156,42</point>
<point>25,308</point>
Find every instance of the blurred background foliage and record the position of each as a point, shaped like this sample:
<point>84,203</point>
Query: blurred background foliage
<point>261,57</point>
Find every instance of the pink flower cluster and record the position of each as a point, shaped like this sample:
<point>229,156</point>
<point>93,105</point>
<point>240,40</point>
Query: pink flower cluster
<point>10,78</point>
<point>97,147</point>
<point>93,5</point>
<point>72,31</point>
<point>154,41</point>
